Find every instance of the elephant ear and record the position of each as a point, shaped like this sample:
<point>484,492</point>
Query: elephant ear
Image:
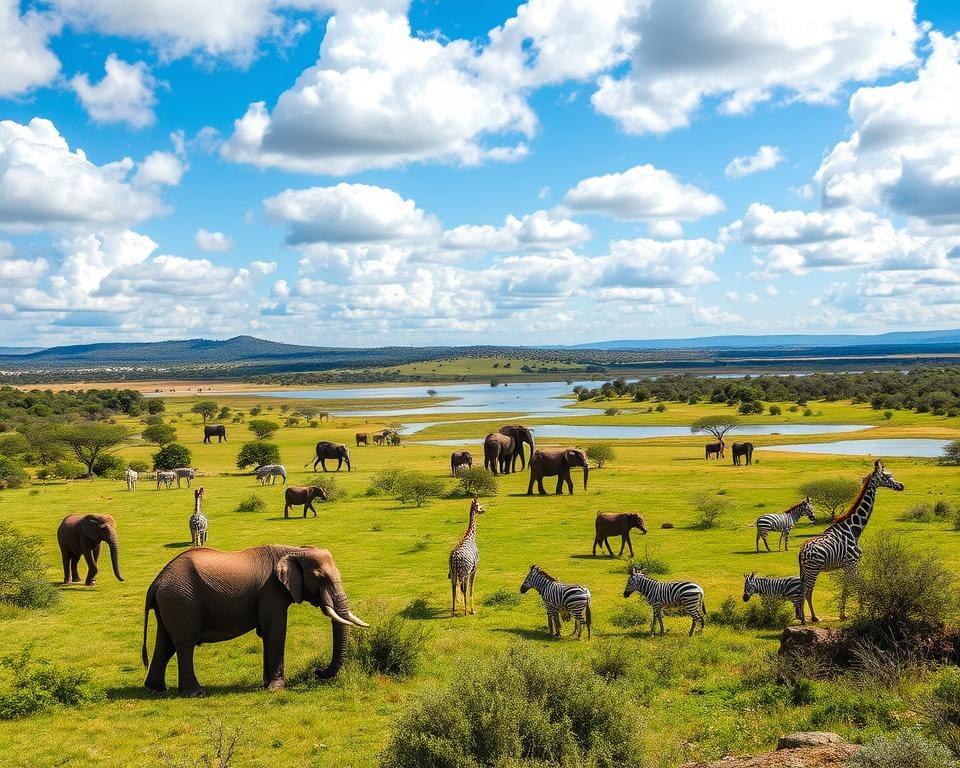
<point>90,527</point>
<point>289,573</point>
<point>572,457</point>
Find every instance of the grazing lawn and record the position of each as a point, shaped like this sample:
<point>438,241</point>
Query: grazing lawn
<point>691,691</point>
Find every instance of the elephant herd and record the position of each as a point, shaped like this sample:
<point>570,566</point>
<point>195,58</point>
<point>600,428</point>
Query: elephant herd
<point>742,452</point>
<point>504,448</point>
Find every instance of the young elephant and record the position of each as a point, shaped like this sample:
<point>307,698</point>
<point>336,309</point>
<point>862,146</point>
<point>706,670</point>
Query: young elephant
<point>302,494</point>
<point>616,524</point>
<point>206,596</point>
<point>82,535</point>
<point>460,459</point>
<point>549,462</point>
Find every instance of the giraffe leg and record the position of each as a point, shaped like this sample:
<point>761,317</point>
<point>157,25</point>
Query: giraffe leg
<point>463,591</point>
<point>849,573</point>
<point>473,605</point>
<point>453,589</point>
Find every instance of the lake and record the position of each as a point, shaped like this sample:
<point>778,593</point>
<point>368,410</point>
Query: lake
<point>898,447</point>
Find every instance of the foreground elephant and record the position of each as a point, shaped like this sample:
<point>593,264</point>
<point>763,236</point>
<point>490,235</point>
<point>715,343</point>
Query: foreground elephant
<point>82,535</point>
<point>327,450</point>
<point>205,596</point>
<point>214,430</point>
<point>551,462</point>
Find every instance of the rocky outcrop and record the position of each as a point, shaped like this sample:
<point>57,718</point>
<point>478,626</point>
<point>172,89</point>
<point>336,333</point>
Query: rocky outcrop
<point>798,750</point>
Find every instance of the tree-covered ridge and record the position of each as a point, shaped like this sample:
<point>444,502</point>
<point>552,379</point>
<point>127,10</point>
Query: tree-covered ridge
<point>18,406</point>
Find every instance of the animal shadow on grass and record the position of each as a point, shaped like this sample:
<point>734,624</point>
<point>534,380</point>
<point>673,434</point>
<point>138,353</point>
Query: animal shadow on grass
<point>177,545</point>
<point>138,692</point>
<point>531,634</point>
<point>420,610</point>
<point>604,556</point>
<point>291,517</point>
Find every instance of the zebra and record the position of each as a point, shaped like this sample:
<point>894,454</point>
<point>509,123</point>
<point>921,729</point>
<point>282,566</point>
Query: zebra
<point>560,599</point>
<point>184,473</point>
<point>166,476</point>
<point>271,472</point>
<point>838,546</point>
<point>668,594</point>
<point>783,522</point>
<point>786,588</point>
<point>131,476</point>
<point>464,560</point>
<point>198,523</point>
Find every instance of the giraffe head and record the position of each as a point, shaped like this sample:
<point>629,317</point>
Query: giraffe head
<point>475,506</point>
<point>884,478</point>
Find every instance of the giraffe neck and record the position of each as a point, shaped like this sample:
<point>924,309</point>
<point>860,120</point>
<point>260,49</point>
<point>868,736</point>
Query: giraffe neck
<point>196,509</point>
<point>471,528</point>
<point>860,516</point>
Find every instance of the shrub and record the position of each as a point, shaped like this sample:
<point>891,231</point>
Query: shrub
<point>611,412</point>
<point>257,453</point>
<point>612,661</point>
<point>160,434</point>
<point>109,465</point>
<point>417,487</point>
<point>262,428</point>
<point>291,421</point>
<point>524,708</point>
<point>502,598</point>
<point>763,613</point>
<point>172,456</point>
<point>29,686</point>
<point>943,710</point>
<point>156,406</point>
<point>23,580</point>
<point>830,494</point>
<point>12,473</point>
<point>391,646</point>
<point>139,465</point>
<point>661,407</point>
<point>68,469</point>
<point>854,709</point>
<point>633,613</point>
<point>709,508</point>
<point>651,565</point>
<point>928,513</point>
<point>808,411</point>
<point>775,410</point>
<point>330,487</point>
<point>384,481</point>
<point>252,503</point>
<point>477,481</point>
<point>907,749</point>
<point>601,454</point>
<point>951,453</point>
<point>888,415</point>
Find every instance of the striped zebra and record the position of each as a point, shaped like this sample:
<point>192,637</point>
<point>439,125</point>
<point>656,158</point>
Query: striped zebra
<point>783,522</point>
<point>667,594</point>
<point>463,562</point>
<point>166,476</point>
<point>198,523</point>
<point>788,588</point>
<point>560,599</point>
<point>270,472</point>
<point>838,546</point>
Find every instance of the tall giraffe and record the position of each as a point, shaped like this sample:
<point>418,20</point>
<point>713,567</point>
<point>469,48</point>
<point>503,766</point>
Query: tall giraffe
<point>838,546</point>
<point>463,562</point>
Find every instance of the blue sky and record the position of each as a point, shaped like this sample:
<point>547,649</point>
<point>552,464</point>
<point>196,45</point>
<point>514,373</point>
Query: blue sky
<point>354,172</point>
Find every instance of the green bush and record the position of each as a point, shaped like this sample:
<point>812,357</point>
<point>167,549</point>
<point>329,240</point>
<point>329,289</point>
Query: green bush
<point>943,710</point>
<point>908,749</point>
<point>68,469</point>
<point>951,453</point>
<point>252,503</point>
<point>172,456</point>
<point>12,473</point>
<point>413,486</point>
<point>631,614</point>
<point>830,494</point>
<point>139,465</point>
<point>391,646</point>
<point>330,487</point>
<point>928,513</point>
<point>384,481</point>
<point>258,453</point>
<point>262,428</point>
<point>775,410</point>
<point>601,453</point>
<point>708,509</point>
<point>160,434</point>
<point>763,613</point>
<point>23,580</point>
<point>524,708</point>
<point>109,465</point>
<point>29,686</point>
<point>476,481</point>
<point>651,565</point>
<point>612,661</point>
<point>849,708</point>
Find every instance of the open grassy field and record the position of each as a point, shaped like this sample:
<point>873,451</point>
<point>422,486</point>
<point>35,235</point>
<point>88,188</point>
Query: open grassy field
<point>391,555</point>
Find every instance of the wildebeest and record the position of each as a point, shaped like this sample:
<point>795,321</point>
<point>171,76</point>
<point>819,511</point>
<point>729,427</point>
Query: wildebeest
<point>742,451</point>
<point>459,459</point>
<point>214,430</point>
<point>302,494</point>
<point>616,524</point>
<point>270,472</point>
<point>714,449</point>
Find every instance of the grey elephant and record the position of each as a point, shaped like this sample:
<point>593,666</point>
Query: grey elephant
<point>520,435</point>
<point>502,449</point>
<point>206,596</point>
<point>214,430</point>
<point>550,462</point>
<point>327,450</point>
<point>82,535</point>
<point>460,459</point>
<point>302,494</point>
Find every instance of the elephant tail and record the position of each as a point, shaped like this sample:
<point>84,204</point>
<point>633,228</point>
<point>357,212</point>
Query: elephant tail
<point>150,603</point>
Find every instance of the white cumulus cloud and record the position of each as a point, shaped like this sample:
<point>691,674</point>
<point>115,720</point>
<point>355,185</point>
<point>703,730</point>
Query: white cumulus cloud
<point>26,62</point>
<point>212,242</point>
<point>766,157</point>
<point>124,95</point>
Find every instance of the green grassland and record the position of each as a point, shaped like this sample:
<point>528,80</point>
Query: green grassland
<point>391,555</point>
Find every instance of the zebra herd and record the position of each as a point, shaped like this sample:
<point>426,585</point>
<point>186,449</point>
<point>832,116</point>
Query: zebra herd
<point>836,548</point>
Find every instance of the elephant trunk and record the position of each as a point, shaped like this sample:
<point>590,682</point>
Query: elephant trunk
<point>341,633</point>
<point>114,555</point>
<point>586,472</point>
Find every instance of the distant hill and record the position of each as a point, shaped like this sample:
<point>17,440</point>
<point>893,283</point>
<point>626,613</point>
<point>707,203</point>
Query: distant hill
<point>786,341</point>
<point>18,350</point>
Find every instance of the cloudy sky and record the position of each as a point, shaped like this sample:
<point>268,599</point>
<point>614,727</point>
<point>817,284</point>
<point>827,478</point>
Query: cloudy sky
<point>368,172</point>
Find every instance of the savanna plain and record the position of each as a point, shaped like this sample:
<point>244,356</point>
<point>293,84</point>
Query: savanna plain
<point>700,697</point>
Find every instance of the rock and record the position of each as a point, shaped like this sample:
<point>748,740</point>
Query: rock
<point>825,756</point>
<point>808,739</point>
<point>802,640</point>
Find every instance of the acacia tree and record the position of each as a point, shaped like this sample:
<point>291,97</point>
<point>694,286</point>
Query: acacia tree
<point>262,428</point>
<point>717,426</point>
<point>91,440</point>
<point>207,409</point>
<point>830,494</point>
<point>161,434</point>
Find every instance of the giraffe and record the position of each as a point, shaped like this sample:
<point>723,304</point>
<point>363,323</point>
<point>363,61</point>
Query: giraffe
<point>838,546</point>
<point>463,562</point>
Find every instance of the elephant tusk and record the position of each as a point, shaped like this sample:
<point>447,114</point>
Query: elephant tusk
<point>334,615</point>
<point>356,620</point>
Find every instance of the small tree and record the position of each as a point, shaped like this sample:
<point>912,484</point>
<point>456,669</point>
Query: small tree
<point>90,440</point>
<point>601,454</point>
<point>160,434</point>
<point>418,487</point>
<point>477,481</point>
<point>172,456</point>
<point>709,508</point>
<point>12,473</point>
<point>207,409</point>
<point>718,426</point>
<point>262,428</point>
<point>830,494</point>
<point>951,453</point>
<point>155,406</point>
<point>258,453</point>
<point>23,579</point>
<point>775,410</point>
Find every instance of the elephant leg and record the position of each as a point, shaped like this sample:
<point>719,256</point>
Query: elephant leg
<point>89,556</point>
<point>274,644</point>
<point>187,683</point>
<point>540,486</point>
<point>163,650</point>
<point>530,486</point>
<point>473,606</point>
<point>312,508</point>
<point>75,568</point>
<point>67,558</point>
<point>323,463</point>
<point>286,510</point>
<point>606,543</point>
<point>629,544</point>
<point>560,485</point>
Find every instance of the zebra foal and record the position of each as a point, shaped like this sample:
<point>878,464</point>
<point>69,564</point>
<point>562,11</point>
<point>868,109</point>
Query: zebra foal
<point>783,522</point>
<point>198,522</point>
<point>788,588</point>
<point>667,594</point>
<point>559,598</point>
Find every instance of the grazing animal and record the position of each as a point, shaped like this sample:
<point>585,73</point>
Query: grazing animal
<point>742,451</point>
<point>361,439</point>
<point>838,546</point>
<point>302,494</point>
<point>327,450</point>
<point>166,476</point>
<point>198,522</point>
<point>214,430</point>
<point>82,535</point>
<point>394,438</point>
<point>559,598</point>
<point>616,524</point>
<point>379,438</point>
<point>463,562</point>
<point>786,588</point>
<point>460,459</point>
<point>714,449</point>
<point>270,472</point>
<point>783,522</point>
<point>550,462</point>
<point>131,476</point>
<point>184,473</point>
<point>668,594</point>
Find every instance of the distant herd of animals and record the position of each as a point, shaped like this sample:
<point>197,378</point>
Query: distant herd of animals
<point>205,595</point>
